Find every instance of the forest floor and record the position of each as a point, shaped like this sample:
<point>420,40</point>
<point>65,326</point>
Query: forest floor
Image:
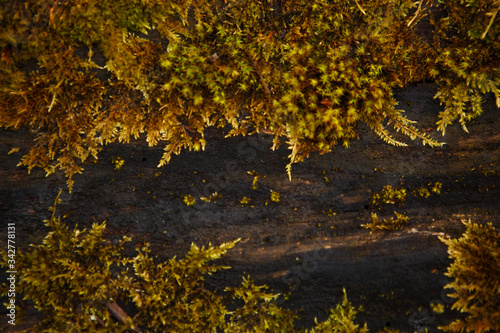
<point>311,242</point>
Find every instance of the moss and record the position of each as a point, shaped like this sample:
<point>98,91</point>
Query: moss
<point>275,196</point>
<point>388,195</point>
<point>387,224</point>
<point>475,271</point>
<point>309,73</point>
<point>80,281</point>
<point>118,162</point>
<point>245,201</point>
<point>426,191</point>
<point>188,199</point>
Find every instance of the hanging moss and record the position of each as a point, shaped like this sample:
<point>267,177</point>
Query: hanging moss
<point>309,72</point>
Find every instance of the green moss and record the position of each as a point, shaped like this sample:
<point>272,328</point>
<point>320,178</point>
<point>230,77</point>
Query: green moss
<point>275,196</point>
<point>80,281</point>
<point>388,195</point>
<point>118,162</point>
<point>307,72</point>
<point>188,199</point>
<point>255,180</point>
<point>387,224</point>
<point>475,271</point>
<point>213,198</point>
<point>426,191</point>
<point>245,201</point>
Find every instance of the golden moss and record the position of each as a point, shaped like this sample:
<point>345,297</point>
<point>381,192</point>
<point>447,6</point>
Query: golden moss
<point>308,72</point>
<point>388,195</point>
<point>387,224</point>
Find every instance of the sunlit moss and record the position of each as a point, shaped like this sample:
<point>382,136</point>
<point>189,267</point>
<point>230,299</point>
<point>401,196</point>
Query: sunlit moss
<point>255,180</point>
<point>475,271</point>
<point>426,191</point>
<point>387,224</point>
<point>437,307</point>
<point>307,72</point>
<point>189,200</point>
<point>118,162</point>
<point>244,201</point>
<point>275,196</point>
<point>213,198</point>
<point>388,195</point>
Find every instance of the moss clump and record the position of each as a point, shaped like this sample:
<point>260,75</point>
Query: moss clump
<point>188,199</point>
<point>426,191</point>
<point>388,195</point>
<point>308,73</point>
<point>275,196</point>
<point>118,162</point>
<point>245,201</point>
<point>213,198</point>
<point>387,224</point>
<point>476,273</point>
